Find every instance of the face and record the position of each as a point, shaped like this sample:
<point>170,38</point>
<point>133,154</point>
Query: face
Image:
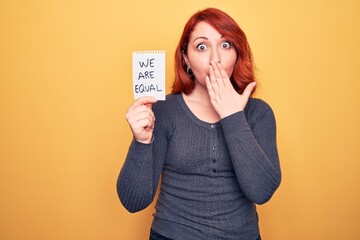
<point>206,44</point>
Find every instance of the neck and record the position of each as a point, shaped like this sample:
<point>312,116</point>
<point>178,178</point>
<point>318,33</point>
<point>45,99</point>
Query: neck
<point>200,94</point>
<point>199,103</point>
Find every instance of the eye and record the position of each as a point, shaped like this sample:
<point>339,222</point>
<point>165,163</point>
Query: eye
<point>226,44</point>
<point>201,47</point>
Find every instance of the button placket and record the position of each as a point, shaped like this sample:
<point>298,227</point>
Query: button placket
<point>213,152</point>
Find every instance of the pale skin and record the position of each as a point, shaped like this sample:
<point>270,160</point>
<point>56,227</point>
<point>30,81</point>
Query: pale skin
<point>212,59</point>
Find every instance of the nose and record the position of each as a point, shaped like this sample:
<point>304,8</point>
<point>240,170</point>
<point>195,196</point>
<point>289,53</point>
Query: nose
<point>215,56</point>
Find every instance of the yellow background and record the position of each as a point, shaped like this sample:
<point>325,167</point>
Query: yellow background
<point>65,85</point>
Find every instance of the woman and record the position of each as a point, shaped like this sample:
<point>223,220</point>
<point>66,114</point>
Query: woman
<point>213,145</point>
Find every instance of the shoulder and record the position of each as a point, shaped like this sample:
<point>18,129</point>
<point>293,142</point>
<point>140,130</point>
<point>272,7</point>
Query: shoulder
<point>257,109</point>
<point>167,105</point>
<point>165,110</point>
<point>257,104</point>
<point>166,114</point>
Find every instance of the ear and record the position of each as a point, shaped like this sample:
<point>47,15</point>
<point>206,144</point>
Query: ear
<point>186,59</point>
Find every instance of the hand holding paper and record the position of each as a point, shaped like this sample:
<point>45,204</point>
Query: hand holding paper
<point>142,119</point>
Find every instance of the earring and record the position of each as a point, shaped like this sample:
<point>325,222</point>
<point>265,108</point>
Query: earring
<point>189,72</point>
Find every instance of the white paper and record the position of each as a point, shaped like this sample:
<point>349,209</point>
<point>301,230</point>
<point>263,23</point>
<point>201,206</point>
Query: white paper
<point>149,74</point>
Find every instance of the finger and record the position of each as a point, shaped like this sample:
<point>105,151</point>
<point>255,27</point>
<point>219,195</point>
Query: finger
<point>149,105</point>
<point>138,125</point>
<point>209,87</point>
<point>141,121</point>
<point>150,126</point>
<point>212,74</point>
<point>135,111</point>
<point>225,78</point>
<point>142,101</point>
<point>142,115</point>
<point>143,124</point>
<point>248,90</point>
<point>212,80</point>
<point>216,70</point>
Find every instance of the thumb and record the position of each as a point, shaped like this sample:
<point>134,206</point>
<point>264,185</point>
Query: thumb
<point>248,90</point>
<point>149,105</point>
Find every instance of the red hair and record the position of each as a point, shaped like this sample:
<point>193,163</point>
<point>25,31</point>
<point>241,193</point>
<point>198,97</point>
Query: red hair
<point>243,73</point>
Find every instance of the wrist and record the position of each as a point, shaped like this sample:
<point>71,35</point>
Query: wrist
<point>147,141</point>
<point>228,113</point>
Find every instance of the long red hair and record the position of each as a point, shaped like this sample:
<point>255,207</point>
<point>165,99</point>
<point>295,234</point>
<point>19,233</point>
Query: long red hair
<point>243,73</point>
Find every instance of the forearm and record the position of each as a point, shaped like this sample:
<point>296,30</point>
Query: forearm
<point>254,156</point>
<point>135,185</point>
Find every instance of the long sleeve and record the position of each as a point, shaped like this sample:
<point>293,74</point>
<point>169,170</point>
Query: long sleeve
<point>212,173</point>
<point>139,176</point>
<point>253,152</point>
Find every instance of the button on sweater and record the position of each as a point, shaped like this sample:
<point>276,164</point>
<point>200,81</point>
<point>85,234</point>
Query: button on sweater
<point>212,174</point>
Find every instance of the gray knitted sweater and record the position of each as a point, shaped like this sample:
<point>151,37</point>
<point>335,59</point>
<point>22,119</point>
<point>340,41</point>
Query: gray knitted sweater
<point>212,174</point>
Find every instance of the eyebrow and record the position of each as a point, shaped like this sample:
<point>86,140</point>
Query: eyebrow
<point>205,38</point>
<point>200,38</point>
